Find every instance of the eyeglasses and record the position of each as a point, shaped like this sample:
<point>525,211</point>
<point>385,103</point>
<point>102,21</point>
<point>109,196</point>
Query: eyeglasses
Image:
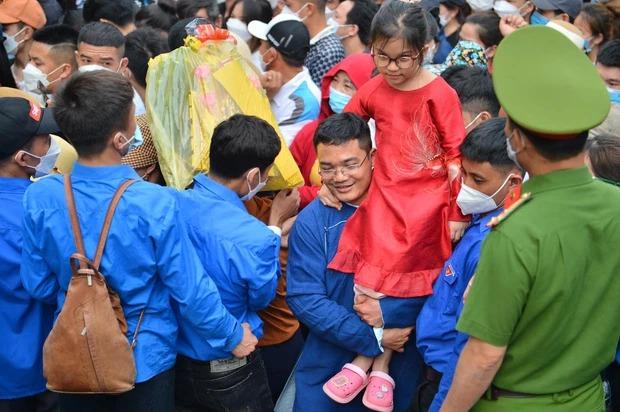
<point>345,170</point>
<point>402,62</point>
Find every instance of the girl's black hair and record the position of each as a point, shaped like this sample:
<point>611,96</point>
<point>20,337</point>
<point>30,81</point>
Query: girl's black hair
<point>400,19</point>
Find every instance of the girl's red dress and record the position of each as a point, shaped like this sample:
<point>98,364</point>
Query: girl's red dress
<point>398,240</point>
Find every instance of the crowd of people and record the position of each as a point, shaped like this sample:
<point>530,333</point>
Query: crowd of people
<point>452,247</point>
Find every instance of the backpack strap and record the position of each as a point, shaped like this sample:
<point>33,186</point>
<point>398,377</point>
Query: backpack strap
<point>103,237</point>
<point>75,223</point>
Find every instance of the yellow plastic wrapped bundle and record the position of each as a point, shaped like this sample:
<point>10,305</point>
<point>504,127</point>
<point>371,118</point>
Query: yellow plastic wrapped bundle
<point>194,88</point>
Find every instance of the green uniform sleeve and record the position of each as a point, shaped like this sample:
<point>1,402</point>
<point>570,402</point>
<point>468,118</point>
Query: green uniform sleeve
<point>499,291</point>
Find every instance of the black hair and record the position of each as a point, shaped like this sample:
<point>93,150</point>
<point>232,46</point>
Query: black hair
<point>488,27</point>
<point>610,54</point>
<point>160,15</point>
<point>241,143</point>
<point>102,98</point>
<point>400,19</point>
<point>101,34</point>
<point>361,14</point>
<point>254,10</point>
<point>474,87</point>
<point>487,143</point>
<point>119,12</point>
<point>189,8</point>
<point>142,45</point>
<point>341,128</point>
<point>433,27</point>
<point>555,150</point>
<point>290,61</point>
<point>6,76</point>
<point>600,19</point>
<point>463,8</point>
<point>604,155</point>
<point>56,34</point>
<point>177,33</point>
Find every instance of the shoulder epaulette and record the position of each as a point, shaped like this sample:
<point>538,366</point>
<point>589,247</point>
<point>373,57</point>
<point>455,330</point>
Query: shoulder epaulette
<point>507,212</point>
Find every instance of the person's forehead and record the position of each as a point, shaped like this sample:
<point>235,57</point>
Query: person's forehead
<point>345,7</point>
<point>40,50</point>
<point>342,76</point>
<point>609,73</point>
<point>100,51</point>
<point>482,169</point>
<point>394,46</point>
<point>350,149</point>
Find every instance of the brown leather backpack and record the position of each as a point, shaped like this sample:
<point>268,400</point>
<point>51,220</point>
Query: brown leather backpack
<point>87,350</point>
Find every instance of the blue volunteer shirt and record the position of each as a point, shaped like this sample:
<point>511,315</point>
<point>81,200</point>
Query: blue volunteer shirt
<point>435,331</point>
<point>238,251</point>
<point>148,260</point>
<point>24,322</point>
<point>322,299</point>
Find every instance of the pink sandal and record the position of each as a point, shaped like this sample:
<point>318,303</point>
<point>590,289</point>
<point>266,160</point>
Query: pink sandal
<point>346,384</point>
<point>379,395</point>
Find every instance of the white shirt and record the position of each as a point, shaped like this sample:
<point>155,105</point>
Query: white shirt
<point>296,104</point>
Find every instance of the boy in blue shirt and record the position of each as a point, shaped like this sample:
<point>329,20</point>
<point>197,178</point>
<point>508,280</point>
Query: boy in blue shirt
<point>241,255</point>
<point>26,150</point>
<point>148,259</point>
<point>488,178</point>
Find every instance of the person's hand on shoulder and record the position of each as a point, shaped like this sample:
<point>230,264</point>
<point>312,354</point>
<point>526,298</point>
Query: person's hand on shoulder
<point>328,199</point>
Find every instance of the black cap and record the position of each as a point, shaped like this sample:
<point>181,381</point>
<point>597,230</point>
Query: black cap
<point>286,33</point>
<point>20,121</point>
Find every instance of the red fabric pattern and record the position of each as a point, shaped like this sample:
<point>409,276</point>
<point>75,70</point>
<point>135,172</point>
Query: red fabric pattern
<point>398,240</point>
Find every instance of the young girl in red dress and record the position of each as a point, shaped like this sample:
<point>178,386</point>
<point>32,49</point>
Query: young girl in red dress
<point>397,241</point>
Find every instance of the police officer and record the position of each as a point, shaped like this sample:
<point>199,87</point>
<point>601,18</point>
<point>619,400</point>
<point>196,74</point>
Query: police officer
<point>542,311</point>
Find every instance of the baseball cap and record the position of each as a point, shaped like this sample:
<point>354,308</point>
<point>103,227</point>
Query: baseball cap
<point>547,85</point>
<point>29,12</point>
<point>286,33</point>
<point>20,121</point>
<point>570,7</point>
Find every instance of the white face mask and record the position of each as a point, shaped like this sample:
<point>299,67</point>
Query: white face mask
<point>287,10</point>
<point>239,28</point>
<point>480,5</point>
<point>443,20</point>
<point>504,9</point>
<point>11,44</point>
<point>429,55</point>
<point>471,201</point>
<point>46,162</point>
<point>329,13</point>
<point>253,192</point>
<point>35,81</point>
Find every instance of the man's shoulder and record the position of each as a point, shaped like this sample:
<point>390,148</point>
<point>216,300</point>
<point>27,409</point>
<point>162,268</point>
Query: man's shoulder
<point>320,217</point>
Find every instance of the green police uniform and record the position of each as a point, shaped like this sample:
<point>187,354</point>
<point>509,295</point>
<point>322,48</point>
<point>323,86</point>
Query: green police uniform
<point>546,284</point>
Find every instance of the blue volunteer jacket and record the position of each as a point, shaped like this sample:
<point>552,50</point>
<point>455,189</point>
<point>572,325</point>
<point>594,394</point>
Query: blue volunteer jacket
<point>238,251</point>
<point>437,338</point>
<point>148,260</point>
<point>24,322</point>
<point>322,299</point>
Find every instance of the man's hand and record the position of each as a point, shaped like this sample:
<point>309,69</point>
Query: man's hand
<point>456,230</point>
<point>369,310</point>
<point>247,344</point>
<point>396,338</point>
<point>328,199</point>
<point>284,206</point>
<point>271,82</point>
<point>509,24</point>
<point>286,230</point>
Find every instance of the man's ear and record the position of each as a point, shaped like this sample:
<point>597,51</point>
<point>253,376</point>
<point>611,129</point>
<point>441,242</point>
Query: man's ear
<point>484,116</point>
<point>124,63</point>
<point>564,17</point>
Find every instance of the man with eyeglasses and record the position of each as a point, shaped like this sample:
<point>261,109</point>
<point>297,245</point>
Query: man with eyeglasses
<point>323,299</point>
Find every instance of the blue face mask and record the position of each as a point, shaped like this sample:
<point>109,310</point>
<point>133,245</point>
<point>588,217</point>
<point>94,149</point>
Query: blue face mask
<point>338,100</point>
<point>587,47</point>
<point>538,19</point>
<point>614,95</point>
